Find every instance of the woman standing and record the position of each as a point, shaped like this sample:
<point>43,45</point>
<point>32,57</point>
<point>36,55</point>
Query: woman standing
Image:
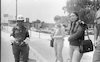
<point>96,55</point>
<point>77,32</point>
<point>58,42</point>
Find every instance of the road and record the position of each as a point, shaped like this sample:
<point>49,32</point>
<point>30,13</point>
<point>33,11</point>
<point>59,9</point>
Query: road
<point>39,49</point>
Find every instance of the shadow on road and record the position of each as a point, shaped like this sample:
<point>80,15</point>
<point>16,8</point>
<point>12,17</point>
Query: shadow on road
<point>32,60</point>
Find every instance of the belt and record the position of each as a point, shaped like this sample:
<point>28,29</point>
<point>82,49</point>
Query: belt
<point>19,43</point>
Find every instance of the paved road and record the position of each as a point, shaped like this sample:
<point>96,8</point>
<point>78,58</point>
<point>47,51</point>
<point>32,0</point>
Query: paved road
<point>6,49</point>
<point>41,47</point>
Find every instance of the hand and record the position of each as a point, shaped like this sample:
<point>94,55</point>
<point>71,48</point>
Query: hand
<point>95,43</point>
<point>12,39</point>
<point>27,40</point>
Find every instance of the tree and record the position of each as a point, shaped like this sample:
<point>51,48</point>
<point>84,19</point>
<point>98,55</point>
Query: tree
<point>77,5</point>
<point>87,15</point>
<point>57,18</point>
<point>84,7</point>
<point>38,21</point>
<point>62,19</point>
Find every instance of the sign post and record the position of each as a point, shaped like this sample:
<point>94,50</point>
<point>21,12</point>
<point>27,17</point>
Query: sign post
<point>39,25</point>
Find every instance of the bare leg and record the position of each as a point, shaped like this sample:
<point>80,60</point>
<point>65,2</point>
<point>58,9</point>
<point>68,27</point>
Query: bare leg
<point>55,49</point>
<point>71,50</point>
<point>77,55</point>
<point>59,50</point>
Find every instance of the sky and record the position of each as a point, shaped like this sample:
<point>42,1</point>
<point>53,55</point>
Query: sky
<point>44,10</point>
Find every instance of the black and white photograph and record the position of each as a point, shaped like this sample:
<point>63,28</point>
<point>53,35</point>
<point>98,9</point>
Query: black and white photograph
<point>50,30</point>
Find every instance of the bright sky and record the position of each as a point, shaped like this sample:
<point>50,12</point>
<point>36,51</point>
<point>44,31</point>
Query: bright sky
<point>45,10</point>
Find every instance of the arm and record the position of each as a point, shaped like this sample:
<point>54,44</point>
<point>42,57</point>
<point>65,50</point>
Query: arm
<point>77,34</point>
<point>95,33</point>
<point>56,34</point>
<point>27,38</point>
<point>12,34</point>
<point>52,34</point>
<point>64,32</point>
<point>27,34</point>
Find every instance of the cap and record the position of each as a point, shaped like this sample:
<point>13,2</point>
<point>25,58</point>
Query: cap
<point>20,17</point>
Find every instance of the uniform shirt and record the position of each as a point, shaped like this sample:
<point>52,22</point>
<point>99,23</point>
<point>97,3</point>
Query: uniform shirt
<point>20,33</point>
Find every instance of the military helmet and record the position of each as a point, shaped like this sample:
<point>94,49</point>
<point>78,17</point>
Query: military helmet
<point>20,18</point>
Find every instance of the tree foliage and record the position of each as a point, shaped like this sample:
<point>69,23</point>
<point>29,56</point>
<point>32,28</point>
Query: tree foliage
<point>77,5</point>
<point>62,19</point>
<point>86,8</point>
<point>87,15</point>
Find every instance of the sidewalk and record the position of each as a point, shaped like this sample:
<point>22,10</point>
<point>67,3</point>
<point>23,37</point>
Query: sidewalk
<point>41,51</point>
<point>48,52</point>
<point>34,56</point>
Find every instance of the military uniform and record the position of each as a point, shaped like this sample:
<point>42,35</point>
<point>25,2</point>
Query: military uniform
<point>19,46</point>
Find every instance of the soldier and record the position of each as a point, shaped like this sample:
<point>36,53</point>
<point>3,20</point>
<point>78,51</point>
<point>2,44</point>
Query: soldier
<point>20,45</point>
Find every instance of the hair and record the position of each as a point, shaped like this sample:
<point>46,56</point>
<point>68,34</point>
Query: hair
<point>72,26</point>
<point>98,8</point>
<point>76,13</point>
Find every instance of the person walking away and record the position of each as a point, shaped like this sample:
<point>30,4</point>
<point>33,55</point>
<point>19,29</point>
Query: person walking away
<point>77,32</point>
<point>20,45</point>
<point>96,55</point>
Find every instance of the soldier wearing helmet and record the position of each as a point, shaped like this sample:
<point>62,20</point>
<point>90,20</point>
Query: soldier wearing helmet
<point>20,45</point>
<point>20,20</point>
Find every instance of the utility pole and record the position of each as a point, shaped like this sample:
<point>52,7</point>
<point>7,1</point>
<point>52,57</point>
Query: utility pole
<point>16,10</point>
<point>39,29</point>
